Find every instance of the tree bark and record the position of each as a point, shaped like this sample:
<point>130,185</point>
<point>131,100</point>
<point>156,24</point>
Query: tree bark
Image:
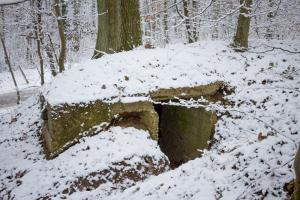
<point>240,42</point>
<point>76,31</point>
<point>61,31</point>
<point>131,24</point>
<point>51,55</point>
<point>119,27</point>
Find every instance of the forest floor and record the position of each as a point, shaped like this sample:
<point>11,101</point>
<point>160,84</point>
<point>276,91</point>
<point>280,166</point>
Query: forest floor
<point>255,138</point>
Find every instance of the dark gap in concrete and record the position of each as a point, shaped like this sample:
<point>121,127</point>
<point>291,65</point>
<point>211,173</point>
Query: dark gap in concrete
<point>184,131</point>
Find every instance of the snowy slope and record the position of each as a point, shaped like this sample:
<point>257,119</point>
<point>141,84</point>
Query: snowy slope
<point>240,165</point>
<point>26,174</point>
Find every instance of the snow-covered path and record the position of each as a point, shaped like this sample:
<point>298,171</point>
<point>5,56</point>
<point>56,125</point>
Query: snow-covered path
<point>8,96</point>
<point>10,99</point>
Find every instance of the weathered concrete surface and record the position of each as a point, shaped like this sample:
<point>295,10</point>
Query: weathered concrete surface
<point>65,124</point>
<point>186,92</point>
<point>141,115</point>
<point>185,131</point>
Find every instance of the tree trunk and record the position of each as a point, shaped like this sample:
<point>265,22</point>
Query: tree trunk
<point>297,172</point>
<point>51,59</point>
<point>165,22</point>
<point>119,26</point>
<point>187,21</point>
<point>50,52</point>
<point>39,37</point>
<point>194,21</point>
<point>131,24</point>
<point>23,74</point>
<point>10,69</point>
<point>61,30</point>
<point>240,42</point>
<point>76,31</point>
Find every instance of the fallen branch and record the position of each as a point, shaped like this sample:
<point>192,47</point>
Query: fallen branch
<point>274,48</point>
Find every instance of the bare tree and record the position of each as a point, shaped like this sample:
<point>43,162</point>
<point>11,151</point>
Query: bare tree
<point>10,69</point>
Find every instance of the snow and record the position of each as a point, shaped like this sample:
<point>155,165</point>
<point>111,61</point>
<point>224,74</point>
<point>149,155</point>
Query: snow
<point>7,84</point>
<point>239,165</point>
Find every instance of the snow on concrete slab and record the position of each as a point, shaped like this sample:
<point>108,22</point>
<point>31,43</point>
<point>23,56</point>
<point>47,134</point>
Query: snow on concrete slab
<point>138,72</point>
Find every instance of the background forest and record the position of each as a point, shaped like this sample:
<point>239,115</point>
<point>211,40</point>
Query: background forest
<point>163,22</point>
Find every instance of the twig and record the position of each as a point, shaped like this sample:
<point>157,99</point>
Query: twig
<point>274,48</point>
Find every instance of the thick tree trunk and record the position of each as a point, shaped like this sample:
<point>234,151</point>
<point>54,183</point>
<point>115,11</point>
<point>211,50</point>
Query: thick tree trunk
<point>61,30</point>
<point>109,27</point>
<point>131,24</point>
<point>240,42</point>
<point>119,26</point>
<point>297,172</point>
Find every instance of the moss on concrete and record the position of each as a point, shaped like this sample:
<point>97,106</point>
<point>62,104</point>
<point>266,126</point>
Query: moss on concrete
<point>65,122</point>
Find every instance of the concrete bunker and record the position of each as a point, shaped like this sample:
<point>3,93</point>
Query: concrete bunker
<point>180,131</point>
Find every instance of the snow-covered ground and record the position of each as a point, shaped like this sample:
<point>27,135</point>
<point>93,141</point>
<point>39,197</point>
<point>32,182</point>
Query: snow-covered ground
<point>8,97</point>
<point>255,141</point>
<point>7,84</point>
